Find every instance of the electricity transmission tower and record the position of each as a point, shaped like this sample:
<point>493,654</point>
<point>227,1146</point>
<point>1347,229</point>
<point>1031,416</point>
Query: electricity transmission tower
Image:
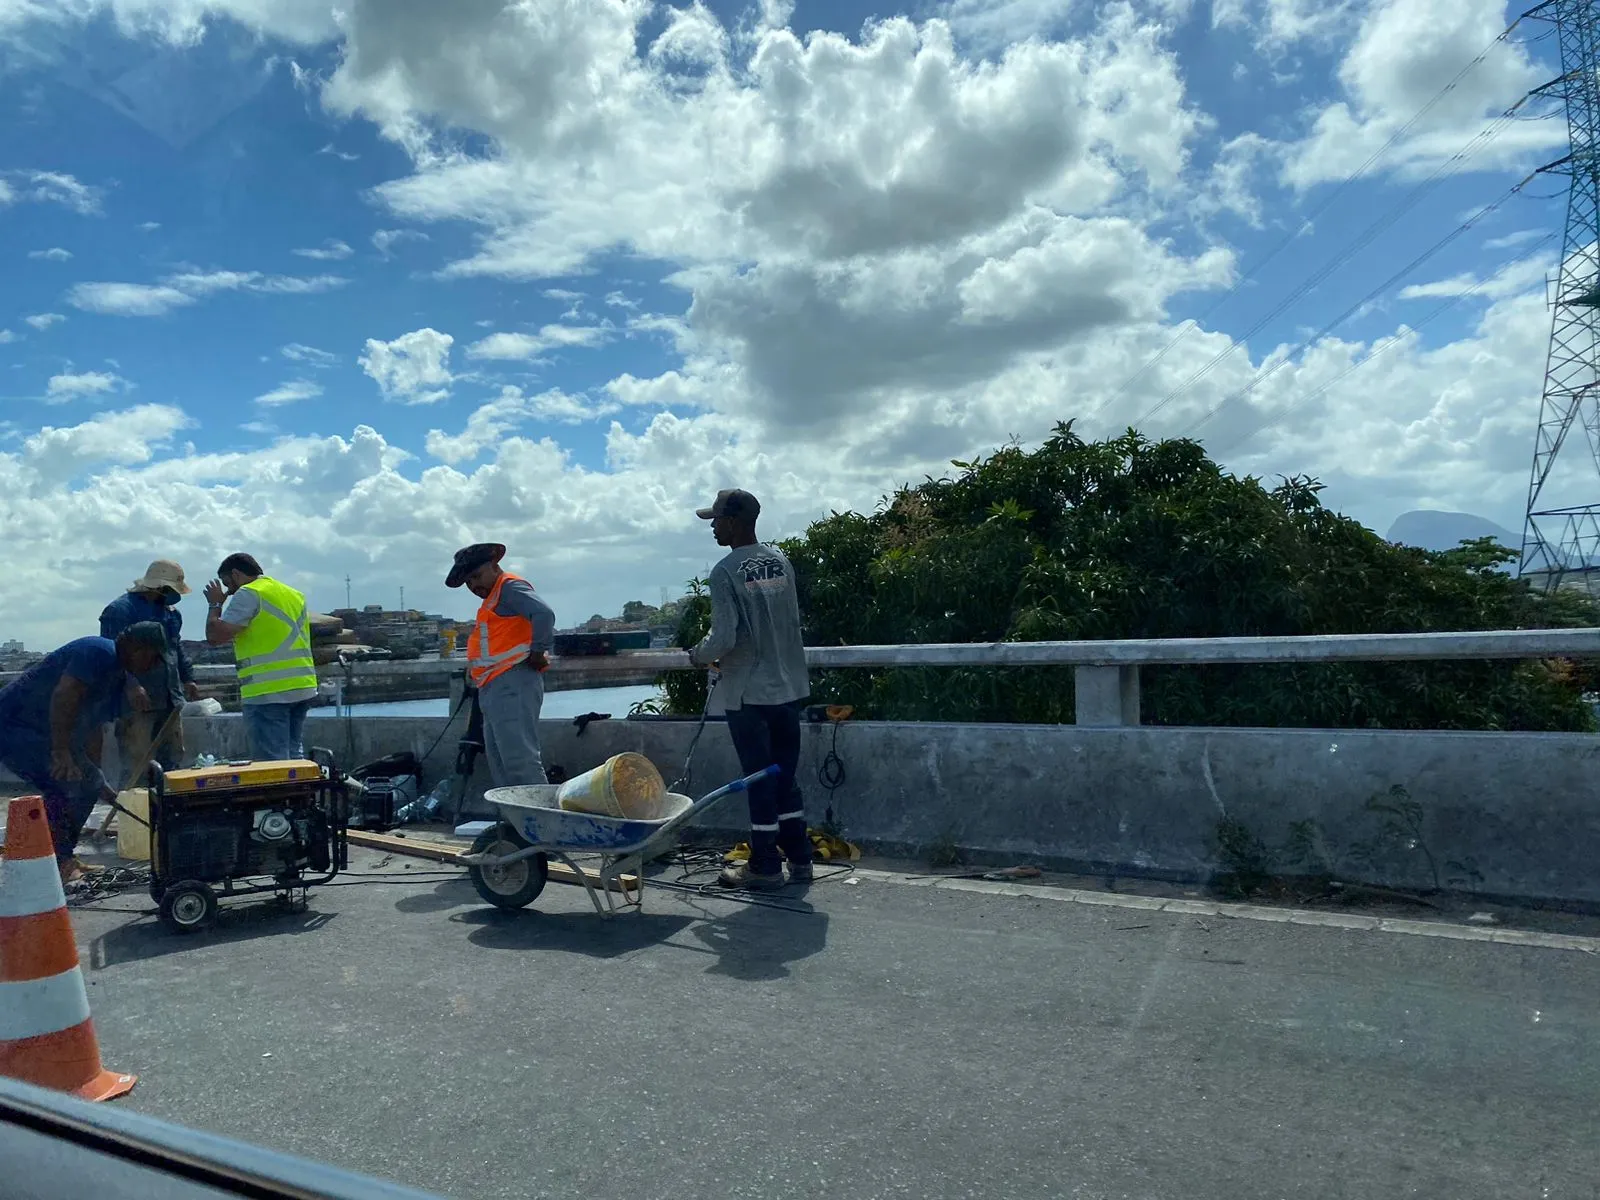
<point>1561,545</point>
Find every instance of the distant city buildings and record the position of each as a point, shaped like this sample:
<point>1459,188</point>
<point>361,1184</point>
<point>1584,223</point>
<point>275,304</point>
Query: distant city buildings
<point>411,633</point>
<point>661,622</point>
<point>14,656</point>
<point>396,634</point>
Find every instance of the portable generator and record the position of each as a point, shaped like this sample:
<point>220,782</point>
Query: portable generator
<point>242,828</point>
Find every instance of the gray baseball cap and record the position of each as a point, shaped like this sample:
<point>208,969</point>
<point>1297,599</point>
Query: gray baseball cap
<point>731,502</point>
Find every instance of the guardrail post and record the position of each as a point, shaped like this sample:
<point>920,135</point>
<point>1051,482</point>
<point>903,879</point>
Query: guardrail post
<point>1105,696</point>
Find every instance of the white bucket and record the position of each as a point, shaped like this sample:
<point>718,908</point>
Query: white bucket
<point>627,785</point>
<point>133,836</point>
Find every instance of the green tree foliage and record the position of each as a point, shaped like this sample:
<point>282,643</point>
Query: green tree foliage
<point>1129,538</point>
<point>686,690</point>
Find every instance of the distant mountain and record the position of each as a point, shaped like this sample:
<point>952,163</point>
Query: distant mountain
<point>1431,530</point>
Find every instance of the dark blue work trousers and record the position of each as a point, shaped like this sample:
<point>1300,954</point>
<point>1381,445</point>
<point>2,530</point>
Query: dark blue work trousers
<point>764,734</point>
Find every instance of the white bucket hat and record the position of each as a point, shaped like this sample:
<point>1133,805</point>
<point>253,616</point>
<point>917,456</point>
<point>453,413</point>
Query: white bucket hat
<point>163,573</point>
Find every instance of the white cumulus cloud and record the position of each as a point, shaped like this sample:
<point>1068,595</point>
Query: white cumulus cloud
<point>1403,54</point>
<point>187,287</point>
<point>62,388</point>
<point>43,321</point>
<point>514,346</point>
<point>49,187</point>
<point>120,438</point>
<point>412,369</point>
<point>385,240</point>
<point>54,254</point>
<point>309,355</point>
<point>290,392</point>
<point>330,250</point>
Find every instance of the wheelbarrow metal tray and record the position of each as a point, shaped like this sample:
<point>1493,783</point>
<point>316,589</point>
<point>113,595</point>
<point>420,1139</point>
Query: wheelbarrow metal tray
<point>531,809</point>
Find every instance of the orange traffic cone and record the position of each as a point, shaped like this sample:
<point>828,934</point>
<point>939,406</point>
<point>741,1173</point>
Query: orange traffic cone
<point>46,1036</point>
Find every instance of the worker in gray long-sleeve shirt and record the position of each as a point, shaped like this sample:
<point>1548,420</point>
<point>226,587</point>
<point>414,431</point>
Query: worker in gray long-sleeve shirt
<point>507,653</point>
<point>755,641</point>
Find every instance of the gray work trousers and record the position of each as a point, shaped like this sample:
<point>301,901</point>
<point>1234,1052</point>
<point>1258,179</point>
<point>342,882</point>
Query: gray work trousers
<point>510,703</point>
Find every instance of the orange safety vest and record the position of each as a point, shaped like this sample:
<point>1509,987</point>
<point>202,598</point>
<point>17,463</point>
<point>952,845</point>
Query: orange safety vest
<point>497,643</point>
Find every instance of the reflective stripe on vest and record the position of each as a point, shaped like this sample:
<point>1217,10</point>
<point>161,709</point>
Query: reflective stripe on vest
<point>274,652</point>
<point>497,643</point>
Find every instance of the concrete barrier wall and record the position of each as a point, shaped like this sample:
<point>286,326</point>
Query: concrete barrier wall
<point>1508,814</point>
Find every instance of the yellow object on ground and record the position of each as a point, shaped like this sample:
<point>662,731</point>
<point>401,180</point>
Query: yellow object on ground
<point>133,837</point>
<point>626,785</point>
<point>242,775</point>
<point>825,847</point>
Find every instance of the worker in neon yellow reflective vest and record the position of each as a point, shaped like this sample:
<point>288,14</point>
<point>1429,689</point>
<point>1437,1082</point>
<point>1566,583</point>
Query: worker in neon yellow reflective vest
<point>268,625</point>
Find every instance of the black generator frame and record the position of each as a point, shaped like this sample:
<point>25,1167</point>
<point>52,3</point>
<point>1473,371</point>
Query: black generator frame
<point>189,904</point>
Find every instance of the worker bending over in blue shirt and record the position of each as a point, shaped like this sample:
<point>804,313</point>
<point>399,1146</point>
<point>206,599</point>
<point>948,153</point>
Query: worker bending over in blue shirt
<point>52,718</point>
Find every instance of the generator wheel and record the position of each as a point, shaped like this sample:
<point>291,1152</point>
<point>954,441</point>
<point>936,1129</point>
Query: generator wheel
<point>512,887</point>
<point>188,906</point>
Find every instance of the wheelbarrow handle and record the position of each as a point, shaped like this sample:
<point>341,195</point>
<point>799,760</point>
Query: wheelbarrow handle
<point>710,798</point>
<point>739,785</point>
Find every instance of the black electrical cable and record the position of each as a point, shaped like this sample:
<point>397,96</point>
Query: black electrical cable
<point>99,886</point>
<point>466,694</point>
<point>696,863</point>
<point>831,773</point>
<point>682,781</point>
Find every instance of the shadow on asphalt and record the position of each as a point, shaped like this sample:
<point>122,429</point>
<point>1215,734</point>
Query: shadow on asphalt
<point>450,893</point>
<point>758,941</point>
<point>244,920</point>
<point>753,942</point>
<point>570,932</point>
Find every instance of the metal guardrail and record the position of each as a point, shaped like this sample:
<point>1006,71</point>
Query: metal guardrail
<point>1106,672</point>
<point>1354,647</point>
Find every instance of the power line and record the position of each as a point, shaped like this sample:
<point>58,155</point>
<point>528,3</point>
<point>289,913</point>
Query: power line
<point>1394,139</point>
<point>1388,345</point>
<point>1485,135</point>
<point>1362,303</point>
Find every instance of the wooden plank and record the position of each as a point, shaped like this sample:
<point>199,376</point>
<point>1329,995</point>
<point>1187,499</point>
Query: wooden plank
<point>438,852</point>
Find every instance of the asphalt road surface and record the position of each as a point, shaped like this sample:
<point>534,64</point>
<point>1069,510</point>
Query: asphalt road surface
<point>870,1040</point>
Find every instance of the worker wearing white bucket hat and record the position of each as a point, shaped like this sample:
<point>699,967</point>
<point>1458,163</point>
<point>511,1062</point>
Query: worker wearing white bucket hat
<point>152,729</point>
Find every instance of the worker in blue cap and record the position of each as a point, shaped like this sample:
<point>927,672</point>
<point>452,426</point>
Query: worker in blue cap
<point>53,716</point>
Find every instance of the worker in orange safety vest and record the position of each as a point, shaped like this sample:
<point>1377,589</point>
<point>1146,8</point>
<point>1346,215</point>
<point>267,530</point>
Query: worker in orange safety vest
<point>507,653</point>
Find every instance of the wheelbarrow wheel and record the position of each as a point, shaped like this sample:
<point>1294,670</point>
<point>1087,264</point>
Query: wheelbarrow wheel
<point>188,906</point>
<point>514,886</point>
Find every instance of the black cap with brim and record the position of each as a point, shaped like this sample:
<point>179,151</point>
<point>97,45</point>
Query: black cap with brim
<point>731,502</point>
<point>470,558</point>
<point>145,633</point>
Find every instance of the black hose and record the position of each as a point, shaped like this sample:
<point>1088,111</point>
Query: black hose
<point>831,773</point>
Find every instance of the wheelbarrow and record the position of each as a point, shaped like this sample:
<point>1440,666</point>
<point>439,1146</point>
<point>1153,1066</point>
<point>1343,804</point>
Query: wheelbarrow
<point>510,861</point>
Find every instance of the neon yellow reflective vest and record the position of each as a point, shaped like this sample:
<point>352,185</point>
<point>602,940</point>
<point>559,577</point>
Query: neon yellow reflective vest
<point>274,651</point>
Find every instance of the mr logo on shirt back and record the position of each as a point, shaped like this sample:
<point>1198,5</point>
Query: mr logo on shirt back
<point>764,572</point>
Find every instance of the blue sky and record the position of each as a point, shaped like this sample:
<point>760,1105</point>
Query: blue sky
<point>208,156</point>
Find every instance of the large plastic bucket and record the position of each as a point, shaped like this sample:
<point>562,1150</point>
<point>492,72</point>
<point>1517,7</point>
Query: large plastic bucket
<point>627,785</point>
<point>133,837</point>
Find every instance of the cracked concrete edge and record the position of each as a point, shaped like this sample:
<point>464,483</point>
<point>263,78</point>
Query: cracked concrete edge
<point>1245,912</point>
